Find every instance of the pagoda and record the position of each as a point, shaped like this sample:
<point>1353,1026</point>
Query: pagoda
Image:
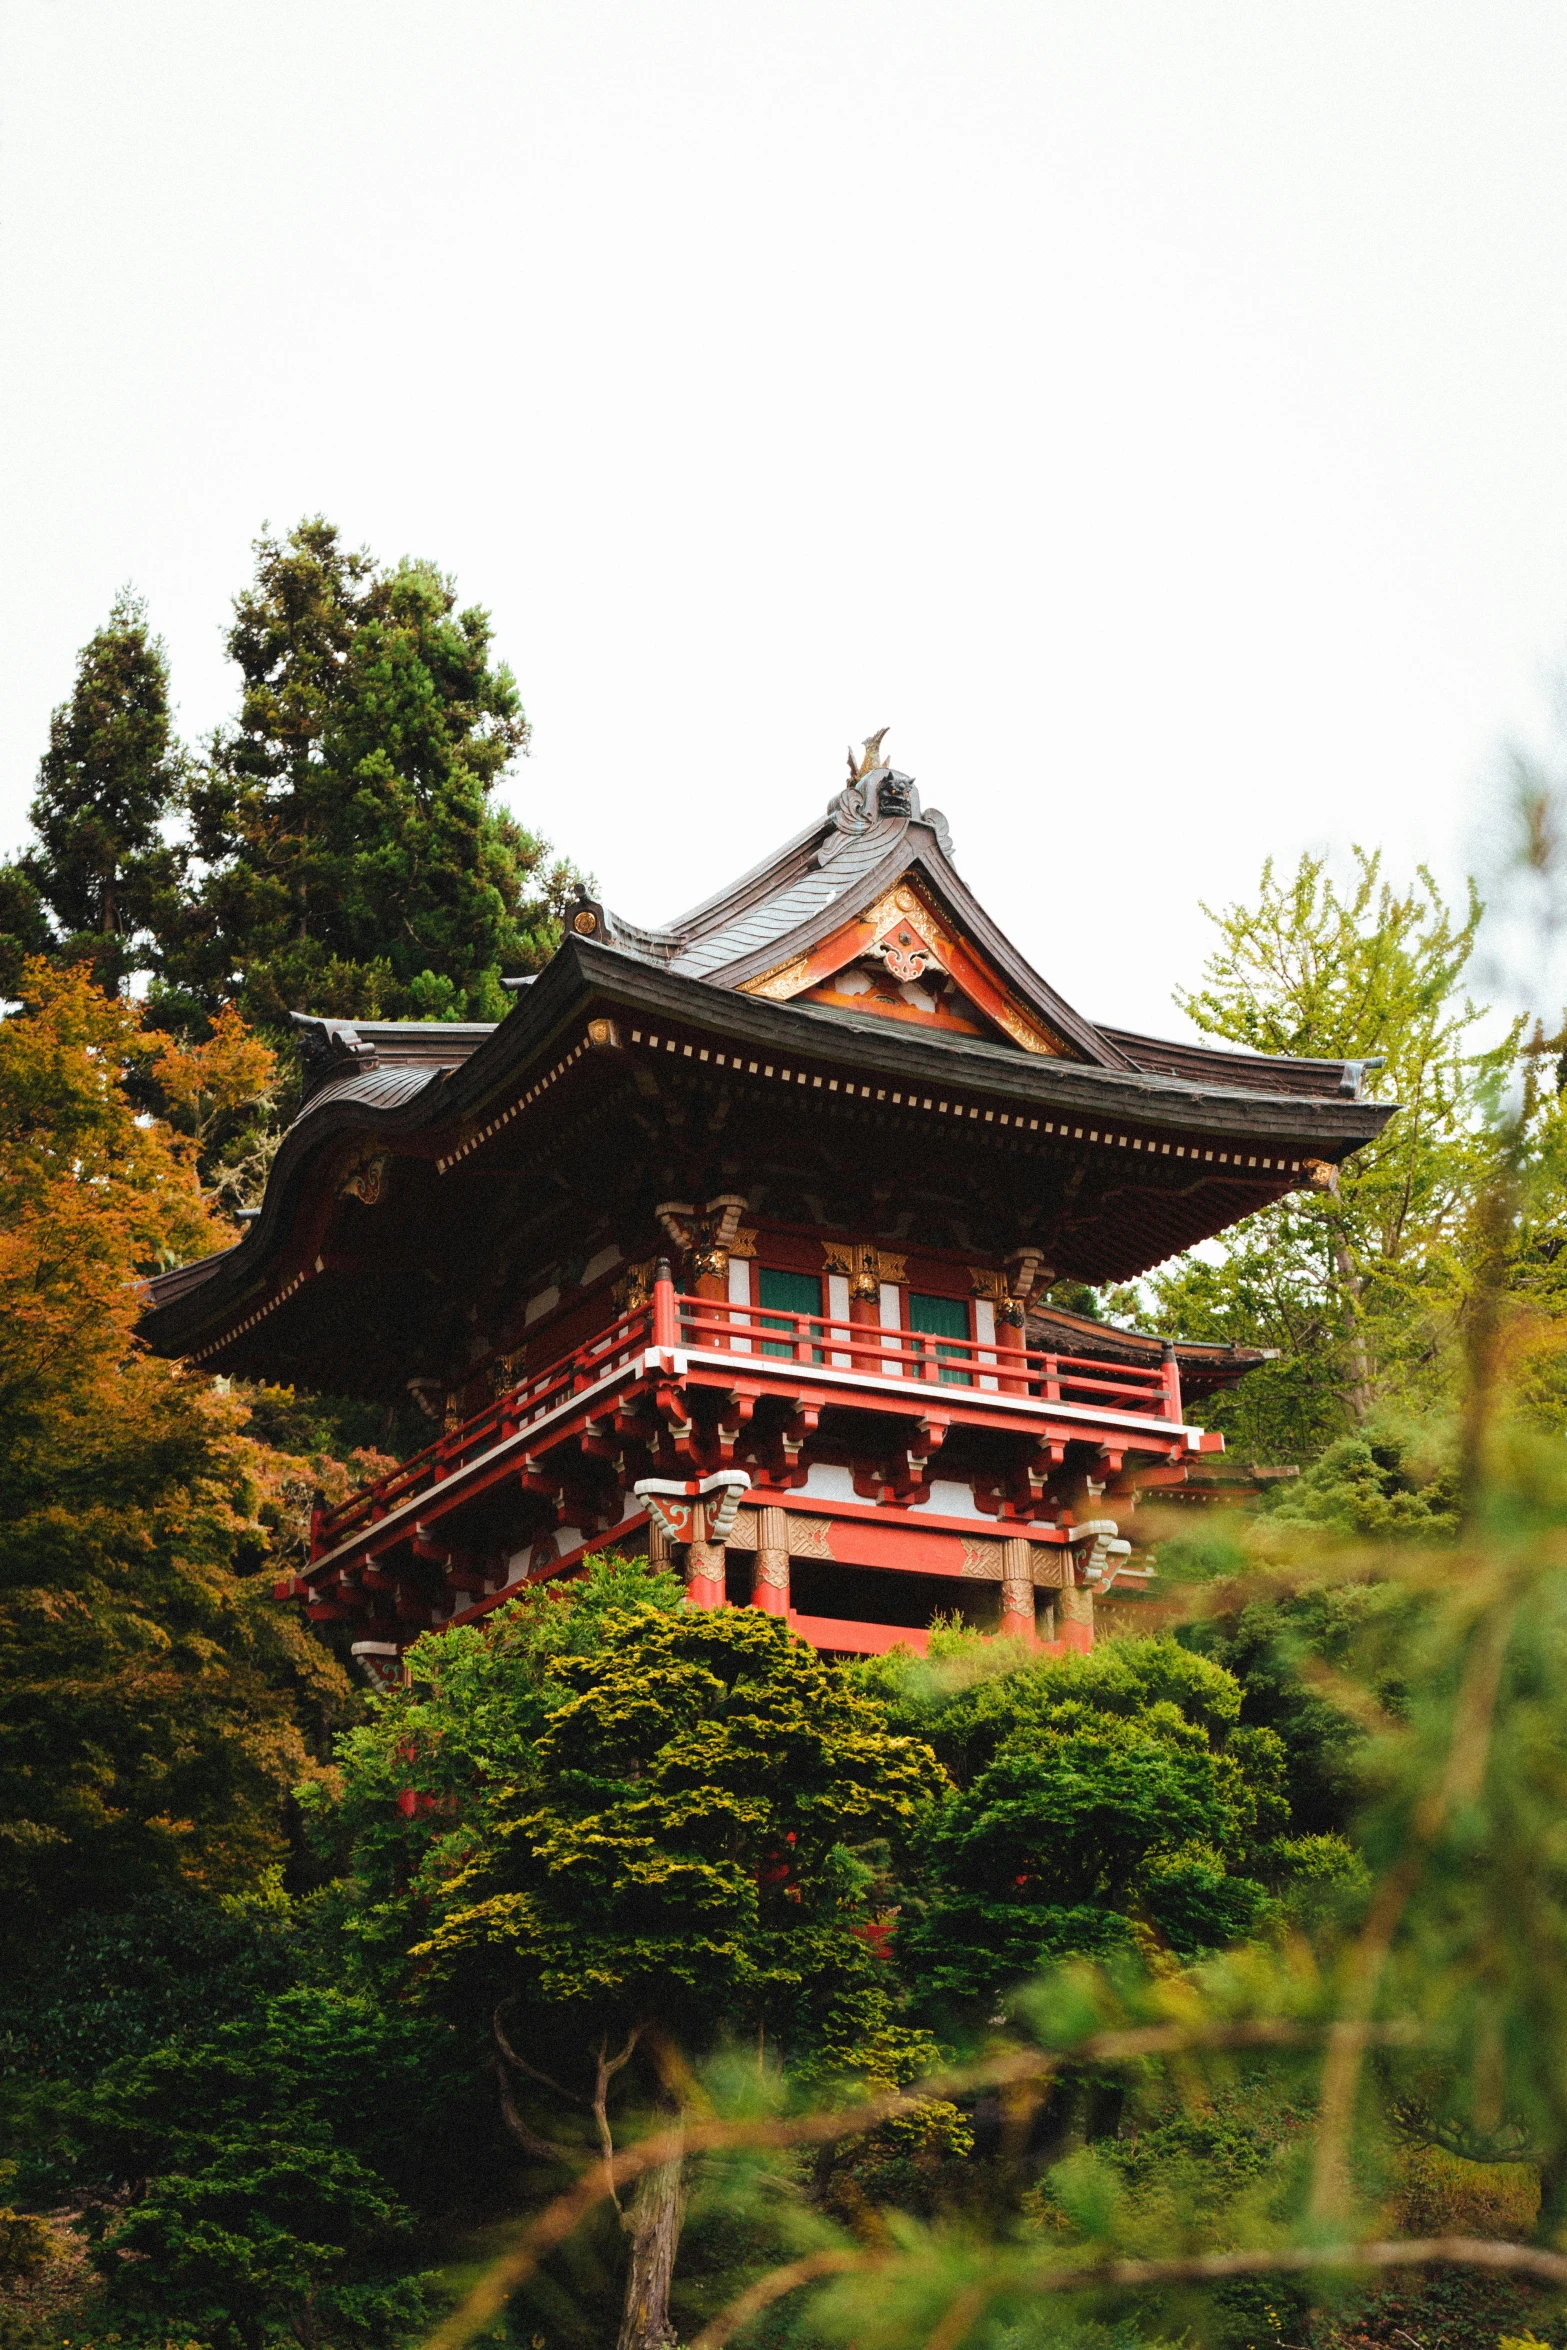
<point>732,1245</point>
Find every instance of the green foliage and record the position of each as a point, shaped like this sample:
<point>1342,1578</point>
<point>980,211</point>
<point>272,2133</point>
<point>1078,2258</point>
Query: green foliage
<point>1278,1650</point>
<point>1365,1486</point>
<point>24,927</point>
<point>164,1966</point>
<point>352,859</point>
<point>314,1425</point>
<point>279,2151</point>
<point>1095,1811</point>
<point>153,1703</point>
<point>681,1853</point>
<point>111,775</point>
<point>1357,1289</point>
<point>417,1781</point>
<point>974,1693</point>
<point>26,2246</point>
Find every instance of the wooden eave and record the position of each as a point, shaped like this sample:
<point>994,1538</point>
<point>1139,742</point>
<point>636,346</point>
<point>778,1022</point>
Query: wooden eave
<point>1205,1367</point>
<point>979,1096</point>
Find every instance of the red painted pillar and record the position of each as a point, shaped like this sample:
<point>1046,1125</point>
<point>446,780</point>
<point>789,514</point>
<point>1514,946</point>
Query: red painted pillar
<point>865,1322</point>
<point>1075,1620</point>
<point>770,1583</point>
<point>1172,1383</point>
<point>704,1563</point>
<point>1017,1589</point>
<point>712,1286</point>
<point>1009,1344</point>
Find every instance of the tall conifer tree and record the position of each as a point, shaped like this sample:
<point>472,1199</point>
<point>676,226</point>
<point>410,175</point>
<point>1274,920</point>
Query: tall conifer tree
<point>110,776</point>
<point>354,861</point>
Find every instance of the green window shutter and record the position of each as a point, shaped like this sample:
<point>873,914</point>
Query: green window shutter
<point>942,1317</point>
<point>788,1293</point>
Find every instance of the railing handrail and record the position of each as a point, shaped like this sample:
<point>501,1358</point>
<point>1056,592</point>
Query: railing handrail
<point>817,1335</point>
<point>513,1404</point>
<point>770,1333</point>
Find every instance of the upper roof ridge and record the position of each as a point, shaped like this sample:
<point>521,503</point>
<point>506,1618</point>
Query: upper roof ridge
<point>875,791</point>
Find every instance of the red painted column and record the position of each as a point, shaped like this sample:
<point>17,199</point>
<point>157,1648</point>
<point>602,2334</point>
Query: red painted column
<point>712,1286</point>
<point>1017,1589</point>
<point>770,1583</point>
<point>704,1564</point>
<point>1075,1617</point>
<point>1009,1341</point>
<point>1172,1383</point>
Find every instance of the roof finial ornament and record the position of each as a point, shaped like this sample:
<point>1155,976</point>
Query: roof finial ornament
<point>870,757</point>
<point>876,794</point>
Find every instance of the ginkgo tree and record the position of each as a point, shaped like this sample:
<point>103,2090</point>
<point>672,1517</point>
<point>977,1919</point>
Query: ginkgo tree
<point>1359,1287</point>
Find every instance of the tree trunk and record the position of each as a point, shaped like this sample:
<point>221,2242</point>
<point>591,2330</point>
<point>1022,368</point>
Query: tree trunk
<point>1553,2197</point>
<point>658,2206</point>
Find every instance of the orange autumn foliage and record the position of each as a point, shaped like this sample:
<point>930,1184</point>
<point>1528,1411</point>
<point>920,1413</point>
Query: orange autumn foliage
<point>153,1700</point>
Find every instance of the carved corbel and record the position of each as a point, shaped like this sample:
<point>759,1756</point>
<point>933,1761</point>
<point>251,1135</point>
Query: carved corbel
<point>794,1437</point>
<point>674,1218</point>
<point>709,1236</point>
<point>1027,1271</point>
<point>725,1211</point>
<point>929,1435</point>
<point>906,1478</point>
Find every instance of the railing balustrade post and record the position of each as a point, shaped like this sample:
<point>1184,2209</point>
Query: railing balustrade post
<point>666,1314</point>
<point>1172,1383</point>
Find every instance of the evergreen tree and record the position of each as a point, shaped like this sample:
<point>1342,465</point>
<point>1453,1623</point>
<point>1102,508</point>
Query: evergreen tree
<point>353,859</point>
<point>1107,1803</point>
<point>24,926</point>
<point>111,775</point>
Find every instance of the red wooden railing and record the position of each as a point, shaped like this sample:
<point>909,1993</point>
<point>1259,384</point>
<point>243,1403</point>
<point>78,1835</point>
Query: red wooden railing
<point>518,1408</point>
<point>767,1335</point>
<point>974,1363</point>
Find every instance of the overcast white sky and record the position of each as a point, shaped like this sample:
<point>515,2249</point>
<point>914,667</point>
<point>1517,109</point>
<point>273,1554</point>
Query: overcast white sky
<point>1155,412</point>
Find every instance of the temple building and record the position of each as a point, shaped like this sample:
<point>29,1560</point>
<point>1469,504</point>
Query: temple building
<point>731,1244</point>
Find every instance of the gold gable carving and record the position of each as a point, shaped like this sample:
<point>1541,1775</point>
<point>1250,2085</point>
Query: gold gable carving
<point>905,902</point>
<point>786,981</point>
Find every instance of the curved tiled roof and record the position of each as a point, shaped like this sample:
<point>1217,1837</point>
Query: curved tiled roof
<point>379,1089</point>
<point>1130,1111</point>
<point>770,916</point>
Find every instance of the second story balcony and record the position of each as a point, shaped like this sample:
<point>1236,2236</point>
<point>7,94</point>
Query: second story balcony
<point>924,1428</point>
